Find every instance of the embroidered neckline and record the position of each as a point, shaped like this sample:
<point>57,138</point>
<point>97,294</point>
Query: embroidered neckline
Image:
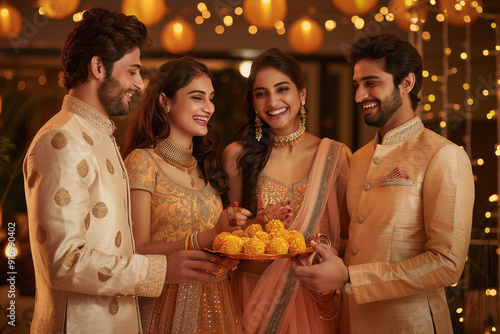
<point>89,114</point>
<point>402,132</point>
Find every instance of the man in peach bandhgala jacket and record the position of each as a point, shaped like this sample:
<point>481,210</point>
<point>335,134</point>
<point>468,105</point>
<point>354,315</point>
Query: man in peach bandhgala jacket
<point>410,196</point>
<point>87,273</point>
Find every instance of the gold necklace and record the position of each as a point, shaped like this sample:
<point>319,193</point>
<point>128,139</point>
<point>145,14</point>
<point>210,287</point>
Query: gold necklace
<point>177,157</point>
<point>291,139</point>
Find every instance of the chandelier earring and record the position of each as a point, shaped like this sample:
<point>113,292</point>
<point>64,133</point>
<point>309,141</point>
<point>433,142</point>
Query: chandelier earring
<point>302,113</point>
<point>258,128</point>
<point>166,108</point>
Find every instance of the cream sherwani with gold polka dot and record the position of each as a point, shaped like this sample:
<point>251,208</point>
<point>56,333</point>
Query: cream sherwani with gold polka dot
<point>87,275</point>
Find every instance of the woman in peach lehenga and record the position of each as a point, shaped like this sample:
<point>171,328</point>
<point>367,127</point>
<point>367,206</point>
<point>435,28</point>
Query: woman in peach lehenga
<point>274,163</point>
<point>175,183</point>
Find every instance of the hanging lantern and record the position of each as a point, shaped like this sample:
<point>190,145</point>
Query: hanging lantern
<point>407,12</point>
<point>59,9</point>
<point>461,12</point>
<point>178,36</point>
<point>305,35</point>
<point>264,13</point>
<point>149,12</point>
<point>355,7</point>
<point>10,21</point>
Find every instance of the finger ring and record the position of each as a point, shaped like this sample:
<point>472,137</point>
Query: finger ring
<point>233,222</point>
<point>230,210</point>
<point>268,216</point>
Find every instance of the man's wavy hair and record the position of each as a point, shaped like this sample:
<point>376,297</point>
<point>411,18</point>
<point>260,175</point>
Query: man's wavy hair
<point>397,57</point>
<point>108,35</point>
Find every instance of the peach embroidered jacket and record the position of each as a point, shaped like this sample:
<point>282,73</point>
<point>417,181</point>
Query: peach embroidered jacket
<point>410,200</point>
<point>87,275</point>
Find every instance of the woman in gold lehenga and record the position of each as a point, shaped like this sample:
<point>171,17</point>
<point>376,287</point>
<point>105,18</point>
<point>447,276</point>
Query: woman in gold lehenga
<point>175,183</point>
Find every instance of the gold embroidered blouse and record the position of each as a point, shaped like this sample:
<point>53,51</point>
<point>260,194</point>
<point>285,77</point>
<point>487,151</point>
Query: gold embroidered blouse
<point>175,210</point>
<point>275,191</point>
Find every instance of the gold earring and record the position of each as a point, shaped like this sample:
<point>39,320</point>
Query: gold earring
<point>302,113</point>
<point>302,110</point>
<point>166,109</point>
<point>258,128</point>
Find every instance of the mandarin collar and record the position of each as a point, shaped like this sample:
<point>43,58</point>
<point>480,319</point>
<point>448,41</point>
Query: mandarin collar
<point>401,133</point>
<point>89,114</point>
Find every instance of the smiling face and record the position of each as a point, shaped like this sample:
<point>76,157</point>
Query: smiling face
<point>190,110</point>
<point>115,92</point>
<point>376,94</point>
<point>277,100</point>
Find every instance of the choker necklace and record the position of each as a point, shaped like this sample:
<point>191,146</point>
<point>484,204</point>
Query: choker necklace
<point>177,157</point>
<point>291,139</point>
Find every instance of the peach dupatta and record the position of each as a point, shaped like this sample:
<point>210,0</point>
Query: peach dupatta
<point>276,289</point>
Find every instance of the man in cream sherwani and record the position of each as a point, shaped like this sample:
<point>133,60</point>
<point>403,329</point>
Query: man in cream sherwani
<point>410,197</point>
<point>77,192</point>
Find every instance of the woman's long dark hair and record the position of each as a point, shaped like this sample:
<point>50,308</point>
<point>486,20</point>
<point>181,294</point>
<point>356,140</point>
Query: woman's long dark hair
<point>148,125</point>
<point>255,154</point>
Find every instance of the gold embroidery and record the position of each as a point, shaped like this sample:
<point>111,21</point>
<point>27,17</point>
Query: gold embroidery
<point>82,168</point>
<point>275,191</point>
<point>87,138</point>
<point>40,328</point>
<point>59,141</point>
<point>403,132</point>
<point>87,221</point>
<point>33,180</point>
<point>40,234</point>
<point>118,239</point>
<point>155,279</point>
<point>71,258</point>
<point>110,167</point>
<point>62,197</point>
<point>177,210</point>
<point>100,210</point>
<point>88,113</point>
<point>113,306</point>
<point>104,274</point>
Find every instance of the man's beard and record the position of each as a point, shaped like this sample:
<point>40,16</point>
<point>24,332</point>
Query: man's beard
<point>111,94</point>
<point>388,107</point>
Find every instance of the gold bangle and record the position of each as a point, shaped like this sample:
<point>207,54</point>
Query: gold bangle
<point>186,246</point>
<point>196,245</point>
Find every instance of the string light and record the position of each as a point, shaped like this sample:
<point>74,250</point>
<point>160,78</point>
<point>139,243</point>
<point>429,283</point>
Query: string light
<point>431,98</point>
<point>425,73</point>
<point>442,124</point>
<point>252,30</point>
<point>379,17</point>
<point>219,29</point>
<point>201,7</point>
<point>459,310</point>
<point>463,55</point>
<point>199,19</point>
<point>486,52</point>
<point>228,20</point>
<point>359,24</point>
<point>238,11</point>
<point>330,25</point>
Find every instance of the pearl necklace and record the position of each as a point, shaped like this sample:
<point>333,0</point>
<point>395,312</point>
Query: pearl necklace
<point>291,139</point>
<point>177,157</point>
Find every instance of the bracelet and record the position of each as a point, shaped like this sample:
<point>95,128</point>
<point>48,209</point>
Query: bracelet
<point>194,241</point>
<point>186,245</point>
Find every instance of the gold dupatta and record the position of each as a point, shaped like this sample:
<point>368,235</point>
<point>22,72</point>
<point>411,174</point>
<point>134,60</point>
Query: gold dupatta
<point>278,285</point>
